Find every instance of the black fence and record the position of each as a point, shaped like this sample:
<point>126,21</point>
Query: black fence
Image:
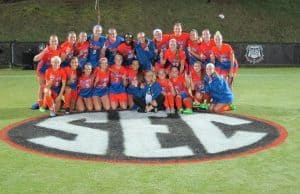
<point>20,54</point>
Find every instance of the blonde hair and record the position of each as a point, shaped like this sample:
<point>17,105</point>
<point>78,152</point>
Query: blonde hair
<point>218,34</point>
<point>210,65</point>
<point>97,26</point>
<point>157,30</point>
<point>55,58</point>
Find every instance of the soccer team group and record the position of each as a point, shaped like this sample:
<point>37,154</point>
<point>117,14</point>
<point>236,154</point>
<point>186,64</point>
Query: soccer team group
<point>175,72</point>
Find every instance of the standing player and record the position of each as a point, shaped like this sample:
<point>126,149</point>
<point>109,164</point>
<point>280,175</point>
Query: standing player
<point>180,84</point>
<point>67,49</point>
<point>96,42</point>
<point>71,92</point>
<point>100,93</point>
<point>181,37</point>
<point>44,58</point>
<point>145,52</point>
<point>82,49</point>
<point>206,48</point>
<point>174,57</point>
<point>224,59</point>
<point>161,42</point>
<point>193,48</point>
<point>85,84</point>
<point>126,49</point>
<point>217,87</point>
<point>117,91</point>
<point>167,90</point>
<point>55,86</point>
<point>132,76</point>
<point>109,49</point>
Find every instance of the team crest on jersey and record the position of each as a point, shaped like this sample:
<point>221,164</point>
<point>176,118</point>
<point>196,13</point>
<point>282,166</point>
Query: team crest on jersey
<point>254,53</point>
<point>131,137</point>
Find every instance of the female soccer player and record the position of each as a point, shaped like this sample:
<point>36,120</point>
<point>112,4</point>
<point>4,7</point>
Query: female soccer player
<point>117,91</point>
<point>180,84</point>
<point>132,76</point>
<point>44,59</point>
<point>161,42</point>
<point>71,92</point>
<point>193,48</point>
<point>167,90</point>
<point>100,93</point>
<point>148,97</point>
<point>82,49</point>
<point>181,37</point>
<point>85,84</point>
<point>174,57</point>
<point>55,86</point>
<point>145,52</point>
<point>126,49</point>
<point>217,87</point>
<point>109,49</point>
<point>96,42</point>
<point>67,49</point>
<point>223,57</point>
<point>206,47</point>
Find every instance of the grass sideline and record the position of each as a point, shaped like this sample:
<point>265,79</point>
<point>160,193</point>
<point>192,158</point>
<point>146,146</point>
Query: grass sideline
<point>270,93</point>
<point>253,21</point>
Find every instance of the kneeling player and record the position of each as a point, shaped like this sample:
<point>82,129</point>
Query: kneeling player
<point>55,85</point>
<point>180,85</point>
<point>217,87</point>
<point>167,90</point>
<point>86,83</point>
<point>100,93</point>
<point>71,87</point>
<point>117,91</point>
<point>132,76</point>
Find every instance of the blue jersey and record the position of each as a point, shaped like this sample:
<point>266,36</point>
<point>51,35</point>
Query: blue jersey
<point>145,58</point>
<point>94,49</point>
<point>111,49</point>
<point>153,89</point>
<point>218,89</point>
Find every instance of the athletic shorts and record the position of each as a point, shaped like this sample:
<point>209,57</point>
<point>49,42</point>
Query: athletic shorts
<point>224,68</point>
<point>55,92</point>
<point>86,93</point>
<point>184,95</point>
<point>100,91</point>
<point>118,98</point>
<point>41,69</point>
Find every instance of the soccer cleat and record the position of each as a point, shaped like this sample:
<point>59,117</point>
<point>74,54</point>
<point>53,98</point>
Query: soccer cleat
<point>42,109</point>
<point>232,106</point>
<point>204,106</point>
<point>35,106</point>
<point>187,111</point>
<point>172,111</point>
<point>141,110</point>
<point>67,111</point>
<point>180,110</point>
<point>168,111</point>
<point>52,114</point>
<point>196,105</point>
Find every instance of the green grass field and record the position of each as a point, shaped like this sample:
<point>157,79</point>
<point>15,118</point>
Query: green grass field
<point>272,94</point>
<point>254,21</point>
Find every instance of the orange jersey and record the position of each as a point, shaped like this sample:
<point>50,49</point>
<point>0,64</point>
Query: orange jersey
<point>179,84</point>
<point>131,75</point>
<point>49,54</point>
<point>206,48</point>
<point>181,40</point>
<point>166,85</point>
<point>72,77</point>
<point>68,49</point>
<point>55,77</point>
<point>163,44</point>
<point>82,50</point>
<point>195,46</point>
<point>175,58</point>
<point>197,80</point>
<point>224,53</point>
<point>116,74</point>
<point>102,78</point>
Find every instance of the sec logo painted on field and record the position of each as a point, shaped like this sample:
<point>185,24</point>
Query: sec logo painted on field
<point>132,137</point>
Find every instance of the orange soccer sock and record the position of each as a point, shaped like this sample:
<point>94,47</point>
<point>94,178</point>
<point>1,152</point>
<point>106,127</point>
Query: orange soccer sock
<point>224,108</point>
<point>49,101</point>
<point>170,98</point>
<point>166,102</point>
<point>178,101</point>
<point>67,100</point>
<point>187,103</point>
<point>41,102</point>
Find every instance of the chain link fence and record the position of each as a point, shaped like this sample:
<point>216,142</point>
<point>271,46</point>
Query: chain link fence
<point>20,54</point>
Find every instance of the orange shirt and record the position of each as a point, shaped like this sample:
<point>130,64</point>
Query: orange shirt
<point>224,53</point>
<point>102,78</point>
<point>68,49</point>
<point>55,76</point>
<point>179,84</point>
<point>166,85</point>
<point>175,58</point>
<point>206,48</point>
<point>82,50</point>
<point>131,75</point>
<point>71,77</point>
<point>49,54</point>
<point>181,40</point>
<point>197,80</point>
<point>163,44</point>
<point>116,74</point>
